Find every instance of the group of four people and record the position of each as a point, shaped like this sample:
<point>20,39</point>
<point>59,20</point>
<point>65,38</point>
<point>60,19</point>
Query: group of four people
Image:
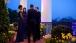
<point>28,24</point>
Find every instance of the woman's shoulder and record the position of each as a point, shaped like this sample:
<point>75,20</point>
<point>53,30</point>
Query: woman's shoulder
<point>19,11</point>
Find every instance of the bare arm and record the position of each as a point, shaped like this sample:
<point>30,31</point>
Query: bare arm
<point>21,16</point>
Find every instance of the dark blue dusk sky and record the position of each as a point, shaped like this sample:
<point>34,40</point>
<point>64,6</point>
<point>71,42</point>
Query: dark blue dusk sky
<point>60,8</point>
<point>64,8</point>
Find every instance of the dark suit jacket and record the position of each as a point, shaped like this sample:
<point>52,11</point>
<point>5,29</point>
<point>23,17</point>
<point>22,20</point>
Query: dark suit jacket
<point>31,17</point>
<point>38,17</point>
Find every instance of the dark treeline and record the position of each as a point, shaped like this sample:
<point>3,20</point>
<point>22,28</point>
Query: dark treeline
<point>69,19</point>
<point>14,17</point>
<point>63,21</point>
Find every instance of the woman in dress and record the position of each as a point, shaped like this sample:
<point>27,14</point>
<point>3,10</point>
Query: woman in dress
<point>21,21</point>
<point>25,24</point>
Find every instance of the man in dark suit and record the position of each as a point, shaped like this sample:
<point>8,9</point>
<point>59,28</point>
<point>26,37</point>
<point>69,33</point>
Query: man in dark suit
<point>38,23</point>
<point>31,20</point>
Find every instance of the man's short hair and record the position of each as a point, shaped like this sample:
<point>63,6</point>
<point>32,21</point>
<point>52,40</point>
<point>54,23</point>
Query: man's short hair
<point>31,5</point>
<point>37,8</point>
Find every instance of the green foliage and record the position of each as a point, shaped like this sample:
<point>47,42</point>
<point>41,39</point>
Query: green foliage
<point>41,31</point>
<point>50,40</point>
<point>42,27</point>
<point>13,15</point>
<point>53,41</point>
<point>3,38</point>
<point>4,22</point>
<point>11,33</point>
<point>57,30</point>
<point>47,40</point>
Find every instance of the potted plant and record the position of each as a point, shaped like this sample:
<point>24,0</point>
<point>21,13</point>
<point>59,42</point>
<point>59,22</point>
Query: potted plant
<point>11,35</point>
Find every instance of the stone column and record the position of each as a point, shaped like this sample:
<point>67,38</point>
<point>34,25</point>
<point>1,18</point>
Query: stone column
<point>46,14</point>
<point>46,9</point>
<point>23,3</point>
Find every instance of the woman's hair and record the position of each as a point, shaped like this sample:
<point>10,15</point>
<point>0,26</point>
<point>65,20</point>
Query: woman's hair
<point>19,6</point>
<point>23,9</point>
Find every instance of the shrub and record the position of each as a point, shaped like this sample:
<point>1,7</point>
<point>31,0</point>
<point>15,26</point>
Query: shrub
<point>4,22</point>
<point>57,30</point>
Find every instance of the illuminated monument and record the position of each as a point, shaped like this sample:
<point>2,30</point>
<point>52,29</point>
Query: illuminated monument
<point>46,12</point>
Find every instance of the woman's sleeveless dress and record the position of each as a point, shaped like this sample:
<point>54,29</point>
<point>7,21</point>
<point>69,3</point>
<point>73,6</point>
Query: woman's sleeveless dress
<point>21,29</point>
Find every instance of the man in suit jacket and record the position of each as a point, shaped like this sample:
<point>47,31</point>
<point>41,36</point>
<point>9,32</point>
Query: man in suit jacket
<point>31,20</point>
<point>38,23</point>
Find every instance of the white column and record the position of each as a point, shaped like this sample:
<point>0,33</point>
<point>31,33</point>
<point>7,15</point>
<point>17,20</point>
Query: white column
<point>23,3</point>
<point>46,11</point>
